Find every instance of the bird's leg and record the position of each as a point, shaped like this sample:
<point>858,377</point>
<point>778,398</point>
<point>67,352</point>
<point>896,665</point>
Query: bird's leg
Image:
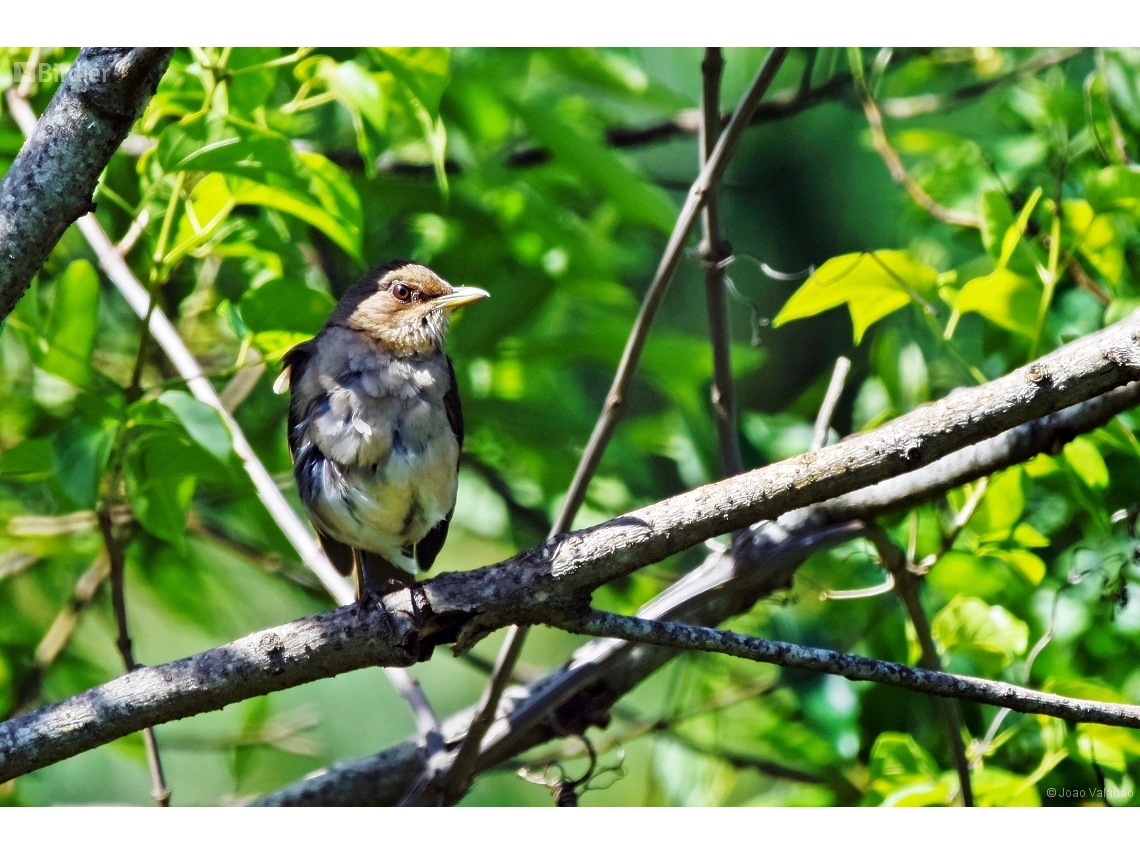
<point>377,577</point>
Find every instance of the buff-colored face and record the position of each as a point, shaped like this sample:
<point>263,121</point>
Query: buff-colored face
<point>405,309</point>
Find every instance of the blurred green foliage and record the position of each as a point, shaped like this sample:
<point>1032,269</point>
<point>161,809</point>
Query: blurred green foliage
<point>261,183</point>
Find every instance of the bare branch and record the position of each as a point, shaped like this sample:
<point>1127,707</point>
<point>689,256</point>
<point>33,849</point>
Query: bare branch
<point>581,692</point>
<point>458,778</point>
<point>917,105</point>
<point>707,180</point>
<point>50,183</point>
<point>539,584</point>
<point>852,667</point>
<point>160,792</point>
<point>715,251</point>
<point>830,402</point>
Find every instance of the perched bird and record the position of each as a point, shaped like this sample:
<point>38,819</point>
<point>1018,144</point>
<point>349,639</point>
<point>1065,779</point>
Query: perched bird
<point>375,426</point>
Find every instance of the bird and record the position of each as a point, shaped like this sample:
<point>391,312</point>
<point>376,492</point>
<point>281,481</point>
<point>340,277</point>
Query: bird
<point>375,426</point>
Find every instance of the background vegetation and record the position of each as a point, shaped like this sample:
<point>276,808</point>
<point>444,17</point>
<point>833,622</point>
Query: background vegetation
<point>260,183</point>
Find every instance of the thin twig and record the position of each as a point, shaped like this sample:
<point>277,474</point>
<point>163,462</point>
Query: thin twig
<point>706,181</point>
<point>830,402</point>
<point>160,791</point>
<point>715,251</point>
<point>907,584</point>
<point>894,163</point>
<point>917,105</point>
<point>992,692</point>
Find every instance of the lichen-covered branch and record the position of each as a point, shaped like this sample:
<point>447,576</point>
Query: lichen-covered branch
<point>547,580</point>
<point>993,692</point>
<point>50,183</point>
<point>581,692</point>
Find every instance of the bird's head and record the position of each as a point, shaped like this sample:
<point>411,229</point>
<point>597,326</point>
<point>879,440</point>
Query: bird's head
<point>404,307</point>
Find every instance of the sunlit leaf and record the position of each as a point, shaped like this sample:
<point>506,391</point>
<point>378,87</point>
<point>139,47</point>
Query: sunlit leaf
<point>988,634</point>
<point>870,284</point>
<point>1004,297</point>
<point>1086,461</point>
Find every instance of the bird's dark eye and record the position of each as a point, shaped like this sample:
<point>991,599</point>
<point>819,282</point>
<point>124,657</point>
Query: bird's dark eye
<point>401,292</point>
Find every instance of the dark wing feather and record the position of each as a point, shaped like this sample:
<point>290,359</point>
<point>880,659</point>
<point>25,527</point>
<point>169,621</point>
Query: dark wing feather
<point>428,548</point>
<point>305,454</point>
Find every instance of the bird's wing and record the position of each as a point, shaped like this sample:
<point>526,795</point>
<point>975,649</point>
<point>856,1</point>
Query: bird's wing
<point>428,548</point>
<point>293,367</point>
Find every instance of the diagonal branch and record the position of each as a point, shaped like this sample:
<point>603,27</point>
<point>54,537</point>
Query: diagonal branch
<point>895,164</point>
<point>709,176</point>
<point>581,692</point>
<point>52,179</point>
<point>541,583</point>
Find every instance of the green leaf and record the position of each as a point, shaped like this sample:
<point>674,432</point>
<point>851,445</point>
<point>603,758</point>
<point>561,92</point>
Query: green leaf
<point>160,483</point>
<point>1005,298</point>
<point>263,169</point>
<point>994,787</point>
<point>71,325</point>
<point>250,82</point>
<point>997,218</point>
<point>201,422</point>
<point>897,757</point>
<point>423,71</point>
<point>871,284</point>
<point>1116,188</point>
<point>207,144</point>
<point>989,634</point>
<point>29,459</point>
<point>902,773</point>
<point>327,202</point>
<point>1013,234</point>
<point>597,164</point>
<point>1095,236</point>
<point>287,306</point>
<point>275,344</point>
<point>1085,460</point>
<point>79,454</point>
<point>1030,566</point>
<point>1002,506</point>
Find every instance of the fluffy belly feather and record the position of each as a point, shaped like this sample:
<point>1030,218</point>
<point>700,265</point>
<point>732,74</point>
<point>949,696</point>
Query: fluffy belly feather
<point>388,508</point>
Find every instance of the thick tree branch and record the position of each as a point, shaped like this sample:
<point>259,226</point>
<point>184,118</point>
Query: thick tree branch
<point>50,183</point>
<point>582,691</point>
<point>539,584</point>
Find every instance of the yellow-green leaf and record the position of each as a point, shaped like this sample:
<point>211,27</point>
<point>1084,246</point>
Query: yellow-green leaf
<point>871,284</point>
<point>1005,298</point>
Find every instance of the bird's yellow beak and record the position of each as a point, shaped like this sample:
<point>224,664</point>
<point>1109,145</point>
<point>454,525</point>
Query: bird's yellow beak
<point>461,296</point>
